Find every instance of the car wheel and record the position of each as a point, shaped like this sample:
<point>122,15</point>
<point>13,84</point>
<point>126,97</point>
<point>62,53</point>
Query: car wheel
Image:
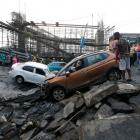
<point>19,79</point>
<point>114,75</point>
<point>58,93</point>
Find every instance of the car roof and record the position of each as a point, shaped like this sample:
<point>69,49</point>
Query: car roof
<point>36,64</point>
<point>83,56</point>
<point>87,54</point>
<point>57,62</point>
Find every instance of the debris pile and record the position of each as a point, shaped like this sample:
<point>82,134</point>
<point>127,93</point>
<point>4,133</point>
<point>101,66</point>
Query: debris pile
<point>104,112</point>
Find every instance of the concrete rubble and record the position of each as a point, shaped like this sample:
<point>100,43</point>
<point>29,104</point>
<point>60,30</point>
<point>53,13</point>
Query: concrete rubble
<point>122,127</point>
<point>101,113</point>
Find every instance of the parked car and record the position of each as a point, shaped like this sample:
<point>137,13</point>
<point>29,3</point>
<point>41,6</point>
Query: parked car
<point>81,72</point>
<point>32,72</point>
<point>56,65</point>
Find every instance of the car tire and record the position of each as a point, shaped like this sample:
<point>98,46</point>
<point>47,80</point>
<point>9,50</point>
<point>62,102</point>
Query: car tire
<point>58,93</point>
<point>19,79</point>
<point>114,75</point>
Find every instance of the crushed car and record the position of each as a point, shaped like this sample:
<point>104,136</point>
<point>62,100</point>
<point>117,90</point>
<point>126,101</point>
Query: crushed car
<point>81,72</point>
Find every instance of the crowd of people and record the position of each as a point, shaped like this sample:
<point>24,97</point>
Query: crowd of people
<point>126,54</point>
<point>11,58</point>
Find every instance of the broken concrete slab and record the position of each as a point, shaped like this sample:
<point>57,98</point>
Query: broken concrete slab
<point>2,119</point>
<point>19,121</point>
<point>93,97</point>
<point>44,136</point>
<point>54,125</point>
<point>119,106</point>
<point>135,100</point>
<point>135,103</point>
<point>6,127</point>
<point>43,123</point>
<point>11,135</point>
<point>73,118</point>
<point>29,96</point>
<point>125,88</point>
<point>116,128</point>
<point>79,103</point>
<point>27,135</point>
<point>28,126</point>
<point>19,113</point>
<point>69,132</point>
<point>9,92</point>
<point>70,135</point>
<point>103,112</point>
<point>66,128</point>
<point>7,112</point>
<point>87,116</point>
<point>98,105</point>
<point>68,109</point>
<point>73,99</point>
<point>77,99</point>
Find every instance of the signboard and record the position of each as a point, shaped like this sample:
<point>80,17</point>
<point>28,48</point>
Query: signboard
<point>82,42</point>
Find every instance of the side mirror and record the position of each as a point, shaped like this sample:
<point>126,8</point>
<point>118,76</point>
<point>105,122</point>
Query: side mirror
<point>67,73</point>
<point>72,69</point>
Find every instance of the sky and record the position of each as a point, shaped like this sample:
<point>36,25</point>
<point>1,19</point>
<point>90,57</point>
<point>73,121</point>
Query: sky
<point>123,14</point>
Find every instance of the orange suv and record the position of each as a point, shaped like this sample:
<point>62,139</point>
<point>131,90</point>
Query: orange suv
<point>81,72</point>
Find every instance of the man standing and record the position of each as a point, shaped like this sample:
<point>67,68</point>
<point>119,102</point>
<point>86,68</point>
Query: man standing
<point>122,52</point>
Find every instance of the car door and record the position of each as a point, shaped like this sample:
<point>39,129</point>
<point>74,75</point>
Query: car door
<point>77,77</point>
<point>27,73</point>
<point>96,66</point>
<point>39,76</point>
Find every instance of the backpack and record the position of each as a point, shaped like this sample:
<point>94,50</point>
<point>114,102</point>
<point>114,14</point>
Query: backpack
<point>123,47</point>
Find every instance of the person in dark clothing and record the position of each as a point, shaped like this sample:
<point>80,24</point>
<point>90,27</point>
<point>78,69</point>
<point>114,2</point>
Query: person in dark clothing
<point>122,49</point>
<point>133,56</point>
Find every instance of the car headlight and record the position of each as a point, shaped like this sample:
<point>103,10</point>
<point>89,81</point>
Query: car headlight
<point>45,82</point>
<point>44,85</point>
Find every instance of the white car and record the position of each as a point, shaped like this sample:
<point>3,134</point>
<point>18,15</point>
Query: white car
<point>32,72</point>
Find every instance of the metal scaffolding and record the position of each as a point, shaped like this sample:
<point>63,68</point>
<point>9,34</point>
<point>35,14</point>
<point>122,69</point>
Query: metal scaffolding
<point>46,39</point>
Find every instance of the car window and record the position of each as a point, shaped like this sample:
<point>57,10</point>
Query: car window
<point>67,69</point>
<point>28,68</point>
<point>77,64</point>
<point>91,60</point>
<point>101,56</point>
<point>40,71</point>
<point>104,55</point>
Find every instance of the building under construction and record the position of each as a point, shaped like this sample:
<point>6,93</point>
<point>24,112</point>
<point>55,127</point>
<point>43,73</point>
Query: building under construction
<point>50,40</point>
